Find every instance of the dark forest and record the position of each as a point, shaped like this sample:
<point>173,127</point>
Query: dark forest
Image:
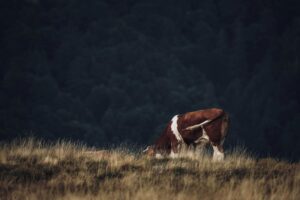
<point>106,72</point>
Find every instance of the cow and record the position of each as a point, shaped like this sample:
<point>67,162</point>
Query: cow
<point>192,129</point>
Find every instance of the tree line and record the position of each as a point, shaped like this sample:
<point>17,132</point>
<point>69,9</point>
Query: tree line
<point>109,72</point>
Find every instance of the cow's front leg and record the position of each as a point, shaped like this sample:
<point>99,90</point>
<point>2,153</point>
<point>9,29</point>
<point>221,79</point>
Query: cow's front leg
<point>175,149</point>
<point>218,154</point>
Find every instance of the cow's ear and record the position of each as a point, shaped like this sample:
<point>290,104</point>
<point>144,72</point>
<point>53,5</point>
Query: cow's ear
<point>146,150</point>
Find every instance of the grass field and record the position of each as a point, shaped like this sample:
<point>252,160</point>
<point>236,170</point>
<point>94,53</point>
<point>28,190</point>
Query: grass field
<point>30,169</point>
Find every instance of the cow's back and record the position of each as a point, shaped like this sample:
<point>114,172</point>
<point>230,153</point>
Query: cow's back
<point>213,128</point>
<point>199,116</point>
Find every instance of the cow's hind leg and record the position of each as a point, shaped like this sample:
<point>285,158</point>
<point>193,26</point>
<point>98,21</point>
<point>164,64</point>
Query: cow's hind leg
<point>218,154</point>
<point>200,148</point>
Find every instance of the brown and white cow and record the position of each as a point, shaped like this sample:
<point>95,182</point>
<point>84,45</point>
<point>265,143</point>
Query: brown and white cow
<point>192,128</point>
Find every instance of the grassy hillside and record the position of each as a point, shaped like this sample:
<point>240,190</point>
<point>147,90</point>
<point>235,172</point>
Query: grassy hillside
<point>30,169</point>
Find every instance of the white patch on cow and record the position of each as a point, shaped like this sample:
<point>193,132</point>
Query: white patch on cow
<point>158,155</point>
<point>217,156</point>
<point>205,122</point>
<point>204,136</point>
<point>174,128</point>
<point>173,155</point>
<point>198,125</point>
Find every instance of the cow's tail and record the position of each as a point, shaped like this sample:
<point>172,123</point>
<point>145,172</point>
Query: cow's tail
<point>225,125</point>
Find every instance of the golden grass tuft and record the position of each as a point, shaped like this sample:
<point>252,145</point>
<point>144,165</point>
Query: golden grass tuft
<point>32,169</point>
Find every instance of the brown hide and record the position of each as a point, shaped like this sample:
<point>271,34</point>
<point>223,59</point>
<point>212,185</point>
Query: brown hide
<point>164,143</point>
<point>213,129</point>
<point>216,129</point>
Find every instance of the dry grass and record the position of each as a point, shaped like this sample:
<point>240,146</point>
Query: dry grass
<point>30,169</point>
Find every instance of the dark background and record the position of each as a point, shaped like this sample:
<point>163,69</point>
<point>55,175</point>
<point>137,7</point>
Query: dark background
<point>114,71</point>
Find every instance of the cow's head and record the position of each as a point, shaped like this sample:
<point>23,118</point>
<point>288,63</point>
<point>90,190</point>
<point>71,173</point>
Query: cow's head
<point>153,152</point>
<point>150,151</point>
